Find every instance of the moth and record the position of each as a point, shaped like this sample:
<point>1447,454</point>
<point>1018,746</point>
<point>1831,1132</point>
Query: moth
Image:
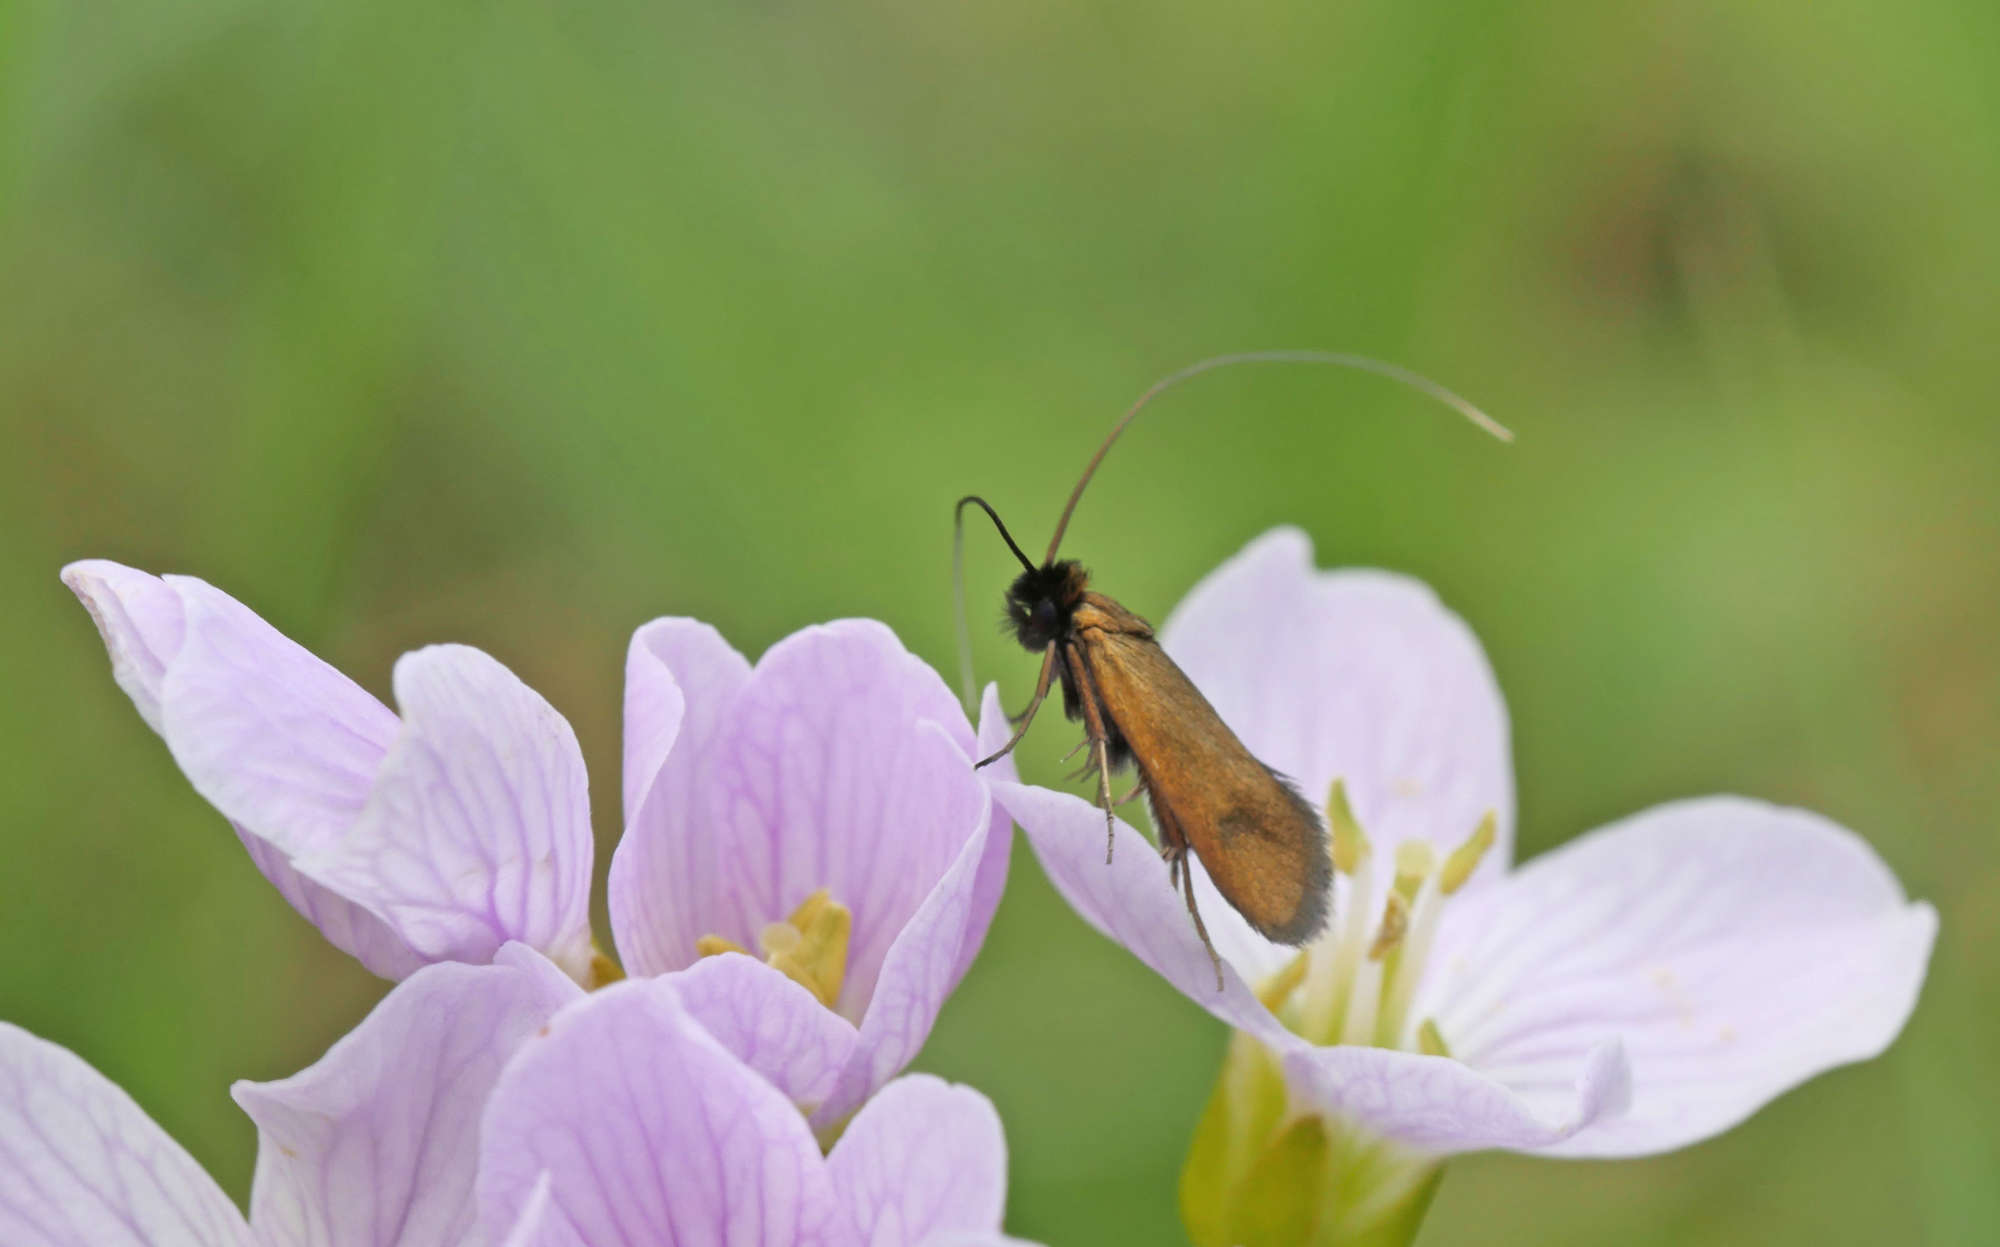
<point>1261,842</point>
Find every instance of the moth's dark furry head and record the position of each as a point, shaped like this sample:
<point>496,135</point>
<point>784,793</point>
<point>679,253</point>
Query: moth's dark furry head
<point>1040,600</point>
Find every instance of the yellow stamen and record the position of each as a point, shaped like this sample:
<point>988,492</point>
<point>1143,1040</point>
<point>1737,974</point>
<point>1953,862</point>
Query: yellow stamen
<point>1350,845</point>
<point>813,909</point>
<point>603,968</point>
<point>1395,921</point>
<point>810,947</point>
<point>1465,858</point>
<point>712,945</point>
<point>1405,964</point>
<point>1429,1041</point>
<point>813,949</point>
<point>1414,859</point>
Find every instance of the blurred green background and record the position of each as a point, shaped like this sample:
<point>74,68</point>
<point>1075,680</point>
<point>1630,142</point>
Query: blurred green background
<point>519,324</point>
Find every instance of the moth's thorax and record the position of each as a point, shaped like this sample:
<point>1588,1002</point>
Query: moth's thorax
<point>1098,612</point>
<point>1041,601</point>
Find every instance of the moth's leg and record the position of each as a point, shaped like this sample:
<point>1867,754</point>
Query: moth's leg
<point>1027,716</point>
<point>1080,747</point>
<point>1100,743</point>
<point>1187,889</point>
<point>1089,768</point>
<point>1174,847</point>
<point>1104,797</point>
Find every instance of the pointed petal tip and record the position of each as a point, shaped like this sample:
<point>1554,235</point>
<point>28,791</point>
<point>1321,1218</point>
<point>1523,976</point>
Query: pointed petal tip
<point>82,574</point>
<point>141,622</point>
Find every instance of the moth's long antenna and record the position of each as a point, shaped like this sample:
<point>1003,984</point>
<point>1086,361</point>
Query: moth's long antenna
<point>958,587</point>
<point>1340,360</point>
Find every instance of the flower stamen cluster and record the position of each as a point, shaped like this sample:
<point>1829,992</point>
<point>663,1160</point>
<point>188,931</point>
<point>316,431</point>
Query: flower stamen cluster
<point>1355,983</point>
<point>809,948</point>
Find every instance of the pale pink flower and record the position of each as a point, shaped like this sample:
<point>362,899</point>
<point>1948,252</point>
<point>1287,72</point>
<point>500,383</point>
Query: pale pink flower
<point>837,768</point>
<point>1640,988</point>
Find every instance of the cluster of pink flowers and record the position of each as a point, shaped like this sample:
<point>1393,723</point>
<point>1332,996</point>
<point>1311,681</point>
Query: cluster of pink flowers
<point>819,808</point>
<point>808,867</point>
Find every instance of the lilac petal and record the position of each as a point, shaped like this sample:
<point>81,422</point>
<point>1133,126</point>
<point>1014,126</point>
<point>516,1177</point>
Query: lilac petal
<point>439,838</point>
<point>346,925</point>
<point>308,793</point>
<point>477,830</point>
<point>994,729</point>
<point>773,1025</point>
<point>923,964</point>
<point>375,1144</point>
<point>1130,900</point>
<point>139,617</point>
<point>1440,1105</point>
<point>528,1226</point>
<point>1428,1102</point>
<point>1357,675</point>
<point>923,1158</point>
<point>991,880</point>
<point>1736,948</point>
<point>650,1135</point>
<point>825,780</point>
<point>81,1165</point>
<point>273,737</point>
<point>681,683</point>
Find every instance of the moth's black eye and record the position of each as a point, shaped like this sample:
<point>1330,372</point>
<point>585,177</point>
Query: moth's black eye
<point>1045,614</point>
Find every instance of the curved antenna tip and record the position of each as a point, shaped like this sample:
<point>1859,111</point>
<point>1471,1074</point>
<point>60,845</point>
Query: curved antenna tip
<point>1363,363</point>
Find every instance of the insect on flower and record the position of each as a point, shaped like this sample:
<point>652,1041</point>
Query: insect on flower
<point>1260,841</point>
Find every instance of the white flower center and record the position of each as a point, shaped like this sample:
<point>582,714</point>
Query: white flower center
<point>1356,982</point>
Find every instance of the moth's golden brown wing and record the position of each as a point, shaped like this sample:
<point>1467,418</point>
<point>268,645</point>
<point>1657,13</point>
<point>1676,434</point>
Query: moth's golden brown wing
<point>1260,841</point>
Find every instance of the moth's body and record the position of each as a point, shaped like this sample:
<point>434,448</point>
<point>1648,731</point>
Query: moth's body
<point>1261,843</point>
